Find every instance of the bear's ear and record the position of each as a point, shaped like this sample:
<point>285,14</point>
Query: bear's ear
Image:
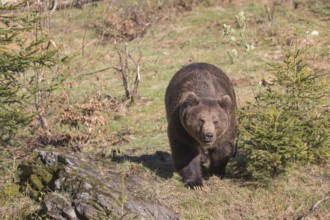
<point>192,99</point>
<point>225,101</point>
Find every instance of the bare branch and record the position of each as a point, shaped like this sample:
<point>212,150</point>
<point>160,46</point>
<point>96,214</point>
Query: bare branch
<point>125,58</point>
<point>136,82</point>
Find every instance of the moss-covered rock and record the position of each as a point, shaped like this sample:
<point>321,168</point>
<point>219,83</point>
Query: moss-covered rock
<point>10,190</point>
<point>71,187</point>
<point>36,182</point>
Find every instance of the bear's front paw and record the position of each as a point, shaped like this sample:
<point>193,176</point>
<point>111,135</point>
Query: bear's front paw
<point>194,184</point>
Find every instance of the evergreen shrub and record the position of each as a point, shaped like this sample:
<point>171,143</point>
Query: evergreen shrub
<point>288,123</point>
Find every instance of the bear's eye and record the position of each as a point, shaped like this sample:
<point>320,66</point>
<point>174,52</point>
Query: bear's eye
<point>202,121</point>
<point>216,122</point>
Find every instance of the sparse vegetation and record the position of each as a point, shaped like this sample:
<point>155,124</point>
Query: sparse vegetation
<point>239,41</point>
<point>86,112</point>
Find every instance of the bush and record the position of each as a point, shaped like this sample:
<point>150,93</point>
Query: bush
<point>19,52</point>
<point>288,123</point>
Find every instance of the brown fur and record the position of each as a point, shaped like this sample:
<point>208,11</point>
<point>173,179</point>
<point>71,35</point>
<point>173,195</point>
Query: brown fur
<point>201,114</point>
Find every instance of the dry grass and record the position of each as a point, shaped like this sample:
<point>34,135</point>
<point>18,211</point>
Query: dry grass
<point>288,197</point>
<point>17,208</point>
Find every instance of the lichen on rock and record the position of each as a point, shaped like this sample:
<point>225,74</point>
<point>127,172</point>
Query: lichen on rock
<point>71,187</point>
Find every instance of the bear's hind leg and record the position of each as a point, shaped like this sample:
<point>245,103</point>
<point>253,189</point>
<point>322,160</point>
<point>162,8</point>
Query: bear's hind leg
<point>219,169</point>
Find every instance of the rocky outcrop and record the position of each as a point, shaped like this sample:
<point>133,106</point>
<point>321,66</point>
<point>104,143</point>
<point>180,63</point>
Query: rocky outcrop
<point>73,187</point>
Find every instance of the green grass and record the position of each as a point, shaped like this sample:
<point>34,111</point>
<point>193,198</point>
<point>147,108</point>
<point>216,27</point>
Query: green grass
<point>192,36</point>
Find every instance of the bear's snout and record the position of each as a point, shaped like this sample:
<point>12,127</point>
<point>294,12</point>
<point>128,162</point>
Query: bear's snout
<point>207,137</point>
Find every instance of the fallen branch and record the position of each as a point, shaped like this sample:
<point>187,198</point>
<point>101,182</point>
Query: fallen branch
<point>96,71</point>
<point>312,209</point>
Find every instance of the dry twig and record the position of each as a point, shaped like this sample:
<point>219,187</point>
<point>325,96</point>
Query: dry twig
<point>312,209</point>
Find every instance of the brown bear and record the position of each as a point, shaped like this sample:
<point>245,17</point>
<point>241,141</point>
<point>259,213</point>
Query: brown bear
<point>201,115</point>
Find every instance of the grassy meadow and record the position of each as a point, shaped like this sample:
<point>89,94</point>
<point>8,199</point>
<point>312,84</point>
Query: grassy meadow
<point>88,114</point>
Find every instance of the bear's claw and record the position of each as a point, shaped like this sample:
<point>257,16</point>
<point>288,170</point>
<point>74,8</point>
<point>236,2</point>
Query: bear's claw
<point>194,185</point>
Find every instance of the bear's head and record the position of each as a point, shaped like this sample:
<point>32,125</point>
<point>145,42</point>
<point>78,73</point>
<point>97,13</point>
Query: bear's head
<point>205,119</point>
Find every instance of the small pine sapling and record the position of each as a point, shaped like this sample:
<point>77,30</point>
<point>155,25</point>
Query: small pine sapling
<point>288,122</point>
